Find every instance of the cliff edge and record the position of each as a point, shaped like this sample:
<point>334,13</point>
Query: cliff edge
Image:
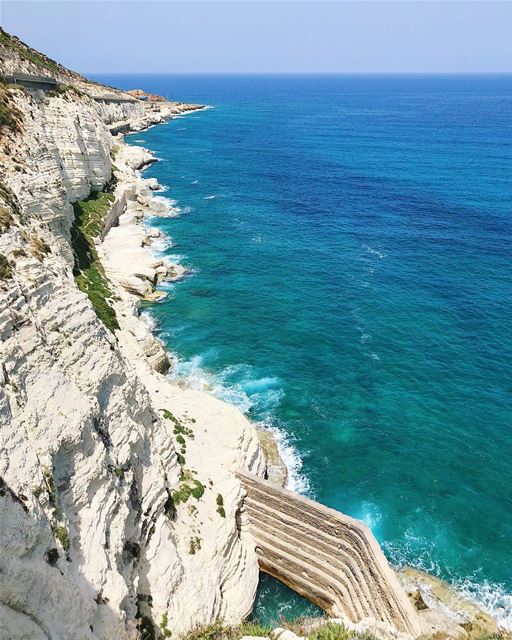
<point>103,521</point>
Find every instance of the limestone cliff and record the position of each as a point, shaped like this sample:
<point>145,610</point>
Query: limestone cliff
<point>100,522</point>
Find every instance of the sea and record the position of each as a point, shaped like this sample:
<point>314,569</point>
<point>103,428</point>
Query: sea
<point>349,243</point>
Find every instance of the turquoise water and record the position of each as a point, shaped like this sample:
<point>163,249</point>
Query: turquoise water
<point>350,245</point>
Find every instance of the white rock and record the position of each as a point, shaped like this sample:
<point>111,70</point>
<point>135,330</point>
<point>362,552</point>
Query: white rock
<point>81,426</point>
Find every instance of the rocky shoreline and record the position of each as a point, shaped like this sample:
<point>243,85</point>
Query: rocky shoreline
<point>127,253</point>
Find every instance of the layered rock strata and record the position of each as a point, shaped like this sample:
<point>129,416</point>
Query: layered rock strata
<point>328,557</point>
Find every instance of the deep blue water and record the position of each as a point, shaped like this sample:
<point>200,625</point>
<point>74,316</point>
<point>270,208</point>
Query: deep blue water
<point>352,287</point>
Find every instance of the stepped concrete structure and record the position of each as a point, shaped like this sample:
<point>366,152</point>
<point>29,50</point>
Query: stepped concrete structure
<point>326,556</point>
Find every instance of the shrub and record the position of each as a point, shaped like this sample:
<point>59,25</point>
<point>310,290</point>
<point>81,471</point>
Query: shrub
<point>5,219</point>
<point>220,506</point>
<point>195,545</point>
<point>9,198</point>
<point>218,631</point>
<point>62,535</point>
<point>336,631</point>
<point>89,273</point>
<point>62,90</point>
<point>5,268</point>
<point>39,248</point>
<point>10,116</point>
<point>164,626</point>
<point>188,487</point>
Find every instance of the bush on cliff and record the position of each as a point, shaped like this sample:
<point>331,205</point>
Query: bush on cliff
<point>10,116</point>
<point>5,268</point>
<point>89,273</point>
<point>218,631</point>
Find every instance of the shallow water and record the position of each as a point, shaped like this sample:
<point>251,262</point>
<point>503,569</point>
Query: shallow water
<point>350,245</point>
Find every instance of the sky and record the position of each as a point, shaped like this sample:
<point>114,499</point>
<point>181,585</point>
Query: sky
<point>267,36</point>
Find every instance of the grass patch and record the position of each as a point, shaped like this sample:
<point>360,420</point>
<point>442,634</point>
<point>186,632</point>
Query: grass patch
<point>5,268</point>
<point>195,545</point>
<point>62,535</point>
<point>218,631</point>
<point>5,219</point>
<point>179,430</point>
<point>10,116</point>
<point>164,626</point>
<point>189,486</point>
<point>9,198</point>
<point>89,273</point>
<point>62,90</point>
<point>220,506</point>
<point>38,248</point>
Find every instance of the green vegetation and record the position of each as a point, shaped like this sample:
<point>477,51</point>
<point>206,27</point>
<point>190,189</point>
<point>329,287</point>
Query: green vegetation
<point>37,491</point>
<point>164,626</point>
<point>89,273</point>
<point>179,430</point>
<point>195,545</point>
<point>188,487</point>
<point>217,631</point>
<point>38,248</point>
<point>9,198</point>
<point>10,116</point>
<point>62,90</point>
<point>5,219</point>
<point>220,506</point>
<point>62,535</point>
<point>5,268</point>
<point>51,489</point>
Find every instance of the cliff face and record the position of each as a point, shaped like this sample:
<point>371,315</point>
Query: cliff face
<point>100,523</point>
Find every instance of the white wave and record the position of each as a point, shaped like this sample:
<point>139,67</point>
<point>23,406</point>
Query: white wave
<point>374,252</point>
<point>161,244</point>
<point>297,481</point>
<point>238,385</point>
<point>420,553</point>
<point>209,197</point>
<point>493,598</point>
<point>195,182</point>
<point>371,515</point>
<point>149,320</point>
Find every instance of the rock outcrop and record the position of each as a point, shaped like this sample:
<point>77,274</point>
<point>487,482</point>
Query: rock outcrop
<point>326,556</point>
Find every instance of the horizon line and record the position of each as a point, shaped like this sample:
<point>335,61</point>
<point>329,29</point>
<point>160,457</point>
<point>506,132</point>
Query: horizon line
<point>298,73</point>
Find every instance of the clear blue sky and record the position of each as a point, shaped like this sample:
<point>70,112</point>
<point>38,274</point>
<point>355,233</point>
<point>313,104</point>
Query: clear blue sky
<point>267,36</point>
